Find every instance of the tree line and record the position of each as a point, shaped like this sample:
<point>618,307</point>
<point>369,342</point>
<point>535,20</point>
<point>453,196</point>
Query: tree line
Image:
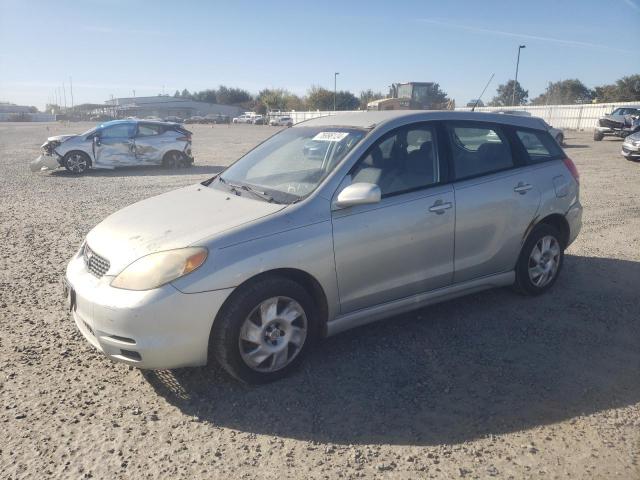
<point>316,98</point>
<point>569,92</point>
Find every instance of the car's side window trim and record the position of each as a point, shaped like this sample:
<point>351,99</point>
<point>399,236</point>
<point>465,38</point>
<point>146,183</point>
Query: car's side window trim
<point>449,124</point>
<point>433,125</point>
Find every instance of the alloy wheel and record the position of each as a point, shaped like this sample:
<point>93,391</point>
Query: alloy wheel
<point>544,261</point>
<point>76,163</point>
<point>273,334</point>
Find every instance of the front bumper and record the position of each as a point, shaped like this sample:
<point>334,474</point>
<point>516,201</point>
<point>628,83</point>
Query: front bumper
<point>44,162</point>
<point>155,329</point>
<point>629,150</point>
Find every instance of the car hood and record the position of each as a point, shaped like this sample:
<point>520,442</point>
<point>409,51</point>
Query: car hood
<point>61,138</point>
<point>632,137</point>
<point>176,219</point>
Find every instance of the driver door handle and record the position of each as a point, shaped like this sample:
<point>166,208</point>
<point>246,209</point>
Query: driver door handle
<point>439,207</point>
<point>522,188</point>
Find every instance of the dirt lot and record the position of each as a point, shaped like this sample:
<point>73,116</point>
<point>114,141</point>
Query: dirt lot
<point>491,385</point>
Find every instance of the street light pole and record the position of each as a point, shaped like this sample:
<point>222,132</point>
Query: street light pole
<point>515,84</point>
<point>335,77</point>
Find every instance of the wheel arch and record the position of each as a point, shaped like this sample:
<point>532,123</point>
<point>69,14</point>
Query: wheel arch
<point>305,280</point>
<point>560,223</point>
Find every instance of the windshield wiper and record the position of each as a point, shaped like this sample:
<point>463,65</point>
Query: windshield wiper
<point>236,187</point>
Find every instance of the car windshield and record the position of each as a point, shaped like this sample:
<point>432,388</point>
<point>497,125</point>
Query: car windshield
<point>290,165</point>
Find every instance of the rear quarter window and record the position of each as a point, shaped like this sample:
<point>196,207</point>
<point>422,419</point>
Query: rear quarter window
<point>540,146</point>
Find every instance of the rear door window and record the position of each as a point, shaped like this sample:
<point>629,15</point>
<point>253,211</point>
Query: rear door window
<point>478,149</point>
<point>540,146</point>
<point>147,130</point>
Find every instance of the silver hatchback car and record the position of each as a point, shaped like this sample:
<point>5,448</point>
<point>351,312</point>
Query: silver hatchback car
<point>402,210</point>
<point>120,143</point>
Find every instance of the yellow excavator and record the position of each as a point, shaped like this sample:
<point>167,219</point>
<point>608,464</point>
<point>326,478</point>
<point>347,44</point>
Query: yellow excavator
<point>411,96</point>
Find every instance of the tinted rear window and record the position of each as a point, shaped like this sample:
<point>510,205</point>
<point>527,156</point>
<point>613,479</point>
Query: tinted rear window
<point>539,145</point>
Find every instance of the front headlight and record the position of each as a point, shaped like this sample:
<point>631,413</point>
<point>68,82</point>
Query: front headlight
<point>157,269</point>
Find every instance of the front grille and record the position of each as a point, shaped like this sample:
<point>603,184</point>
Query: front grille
<point>96,264</point>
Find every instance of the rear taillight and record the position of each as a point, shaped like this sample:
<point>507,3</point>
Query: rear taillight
<point>572,168</point>
<point>185,138</point>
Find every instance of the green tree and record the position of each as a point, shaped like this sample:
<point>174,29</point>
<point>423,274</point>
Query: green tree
<point>177,94</point>
<point>564,92</point>
<point>294,102</point>
<point>629,88</point>
<point>626,89</point>
<point>209,96</point>
<point>232,96</point>
<point>367,96</point>
<point>504,95</point>
<point>273,99</point>
<point>319,98</point>
<point>605,93</point>
<point>185,94</point>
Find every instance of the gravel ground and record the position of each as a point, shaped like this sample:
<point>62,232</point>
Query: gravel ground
<point>491,385</point>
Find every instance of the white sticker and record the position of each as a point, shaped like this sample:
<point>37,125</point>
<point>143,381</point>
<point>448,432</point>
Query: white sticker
<point>330,136</point>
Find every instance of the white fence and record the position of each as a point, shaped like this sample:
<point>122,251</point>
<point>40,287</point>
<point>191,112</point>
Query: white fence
<point>573,117</point>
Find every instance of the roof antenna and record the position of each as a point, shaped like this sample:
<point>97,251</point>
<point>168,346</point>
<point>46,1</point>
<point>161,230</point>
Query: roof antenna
<point>485,88</point>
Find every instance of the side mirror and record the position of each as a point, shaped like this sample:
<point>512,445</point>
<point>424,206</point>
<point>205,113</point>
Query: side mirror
<point>96,140</point>
<point>358,194</point>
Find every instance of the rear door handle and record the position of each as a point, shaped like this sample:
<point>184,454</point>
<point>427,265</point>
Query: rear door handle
<point>439,207</point>
<point>522,188</point>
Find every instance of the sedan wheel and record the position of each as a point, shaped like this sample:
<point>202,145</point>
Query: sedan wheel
<point>76,162</point>
<point>273,334</point>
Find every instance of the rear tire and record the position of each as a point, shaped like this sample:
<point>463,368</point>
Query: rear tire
<point>76,162</point>
<point>278,340</point>
<point>597,136</point>
<point>174,159</point>
<point>540,260</point>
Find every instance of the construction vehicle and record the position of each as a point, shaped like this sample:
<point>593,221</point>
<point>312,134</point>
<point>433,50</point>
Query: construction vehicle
<point>411,96</point>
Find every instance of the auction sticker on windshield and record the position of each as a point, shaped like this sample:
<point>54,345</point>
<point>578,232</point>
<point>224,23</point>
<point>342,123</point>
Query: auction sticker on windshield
<point>330,136</point>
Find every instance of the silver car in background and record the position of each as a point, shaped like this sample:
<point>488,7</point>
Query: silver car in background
<point>402,210</point>
<point>118,143</point>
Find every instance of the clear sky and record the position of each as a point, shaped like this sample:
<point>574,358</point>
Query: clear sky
<point>114,47</point>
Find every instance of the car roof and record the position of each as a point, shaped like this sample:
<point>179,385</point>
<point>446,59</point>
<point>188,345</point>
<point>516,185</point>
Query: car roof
<point>371,119</point>
<point>137,120</point>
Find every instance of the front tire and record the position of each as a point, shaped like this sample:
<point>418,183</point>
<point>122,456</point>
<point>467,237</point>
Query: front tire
<point>264,330</point>
<point>597,136</point>
<point>540,260</point>
<point>76,162</point>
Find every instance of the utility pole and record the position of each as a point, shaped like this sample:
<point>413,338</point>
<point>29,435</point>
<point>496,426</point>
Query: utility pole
<point>335,82</point>
<point>64,93</point>
<point>515,84</point>
<point>134,93</point>
<point>71,87</point>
